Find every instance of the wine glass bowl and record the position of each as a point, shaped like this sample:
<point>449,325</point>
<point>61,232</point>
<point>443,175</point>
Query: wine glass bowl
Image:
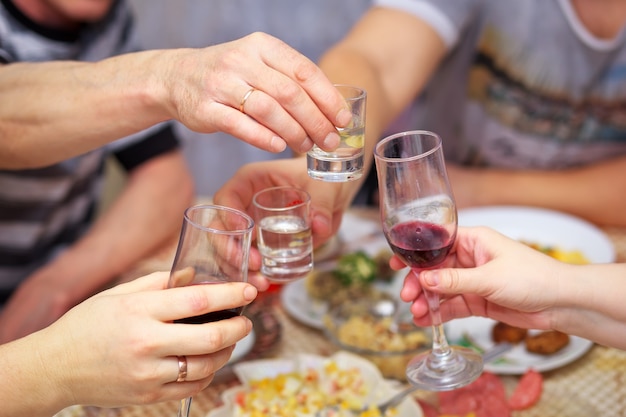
<point>419,221</point>
<point>213,248</point>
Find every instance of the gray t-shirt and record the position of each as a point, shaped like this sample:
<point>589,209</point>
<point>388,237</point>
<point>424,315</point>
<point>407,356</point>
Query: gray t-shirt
<point>524,85</point>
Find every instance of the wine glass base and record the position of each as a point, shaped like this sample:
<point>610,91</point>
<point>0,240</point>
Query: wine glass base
<point>431,372</point>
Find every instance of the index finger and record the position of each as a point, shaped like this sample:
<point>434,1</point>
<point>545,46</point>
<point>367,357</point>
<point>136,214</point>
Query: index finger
<point>183,302</point>
<point>318,111</point>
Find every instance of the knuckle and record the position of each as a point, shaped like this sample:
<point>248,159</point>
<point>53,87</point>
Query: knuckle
<point>263,108</point>
<point>215,338</point>
<point>451,279</point>
<point>305,70</point>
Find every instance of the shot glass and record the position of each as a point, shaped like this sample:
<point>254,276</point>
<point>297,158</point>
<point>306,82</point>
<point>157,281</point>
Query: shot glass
<point>346,162</point>
<point>284,233</point>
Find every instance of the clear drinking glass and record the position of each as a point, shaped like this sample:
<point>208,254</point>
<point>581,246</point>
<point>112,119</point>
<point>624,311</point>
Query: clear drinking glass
<point>346,162</point>
<point>419,220</point>
<point>213,248</point>
<point>284,233</point>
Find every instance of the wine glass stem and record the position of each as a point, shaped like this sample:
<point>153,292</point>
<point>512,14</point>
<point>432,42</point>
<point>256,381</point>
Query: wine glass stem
<point>185,406</point>
<point>440,343</point>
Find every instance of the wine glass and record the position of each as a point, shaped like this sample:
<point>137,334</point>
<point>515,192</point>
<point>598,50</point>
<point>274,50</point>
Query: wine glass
<point>213,248</point>
<point>419,221</point>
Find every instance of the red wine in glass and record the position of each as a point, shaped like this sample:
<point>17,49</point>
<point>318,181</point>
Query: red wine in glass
<point>420,244</point>
<point>212,316</point>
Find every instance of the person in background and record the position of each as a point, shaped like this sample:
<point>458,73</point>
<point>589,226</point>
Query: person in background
<point>71,84</point>
<point>523,121</point>
<point>310,27</point>
<point>121,348</point>
<point>490,275</point>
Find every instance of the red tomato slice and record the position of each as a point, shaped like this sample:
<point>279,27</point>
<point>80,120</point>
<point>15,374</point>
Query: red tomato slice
<point>527,392</point>
<point>428,409</point>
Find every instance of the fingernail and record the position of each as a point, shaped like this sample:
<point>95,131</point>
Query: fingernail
<point>248,324</point>
<point>278,144</point>
<point>306,145</point>
<point>322,224</point>
<point>431,278</point>
<point>343,117</point>
<point>250,293</point>
<point>331,141</point>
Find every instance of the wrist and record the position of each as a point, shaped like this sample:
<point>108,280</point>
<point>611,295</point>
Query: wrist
<point>31,361</point>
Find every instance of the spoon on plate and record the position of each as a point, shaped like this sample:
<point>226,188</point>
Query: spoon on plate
<point>491,354</point>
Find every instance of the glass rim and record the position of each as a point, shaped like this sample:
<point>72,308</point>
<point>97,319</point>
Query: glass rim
<point>218,208</point>
<point>304,202</point>
<point>382,142</point>
<point>361,91</point>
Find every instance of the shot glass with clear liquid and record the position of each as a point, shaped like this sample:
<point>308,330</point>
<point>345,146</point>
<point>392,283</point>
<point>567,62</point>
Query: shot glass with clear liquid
<point>346,162</point>
<point>284,233</point>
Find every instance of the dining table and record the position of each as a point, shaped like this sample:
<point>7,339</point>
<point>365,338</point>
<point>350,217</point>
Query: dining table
<point>596,380</point>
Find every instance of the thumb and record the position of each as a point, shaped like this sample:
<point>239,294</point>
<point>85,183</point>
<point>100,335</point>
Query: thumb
<point>453,281</point>
<point>326,211</point>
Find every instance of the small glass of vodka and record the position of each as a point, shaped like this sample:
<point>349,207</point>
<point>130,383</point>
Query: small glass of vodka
<point>284,233</point>
<point>346,162</point>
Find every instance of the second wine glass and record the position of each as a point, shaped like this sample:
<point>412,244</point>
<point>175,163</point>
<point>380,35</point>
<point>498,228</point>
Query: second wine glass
<point>213,248</point>
<point>419,220</point>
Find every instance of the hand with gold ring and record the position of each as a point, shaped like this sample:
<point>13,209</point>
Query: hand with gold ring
<point>125,336</point>
<point>260,90</point>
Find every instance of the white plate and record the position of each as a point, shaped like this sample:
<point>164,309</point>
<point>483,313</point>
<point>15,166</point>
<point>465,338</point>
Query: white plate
<point>518,360</point>
<point>546,227</point>
<point>380,388</point>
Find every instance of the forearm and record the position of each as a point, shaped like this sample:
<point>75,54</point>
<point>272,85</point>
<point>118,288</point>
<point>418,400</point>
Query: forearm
<point>76,106</point>
<point>590,192</point>
<point>592,305</point>
<point>393,74</point>
<point>27,389</point>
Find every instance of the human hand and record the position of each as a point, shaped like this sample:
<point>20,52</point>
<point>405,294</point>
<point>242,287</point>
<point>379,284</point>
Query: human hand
<point>293,103</point>
<point>490,275</point>
<point>125,336</point>
<point>328,200</point>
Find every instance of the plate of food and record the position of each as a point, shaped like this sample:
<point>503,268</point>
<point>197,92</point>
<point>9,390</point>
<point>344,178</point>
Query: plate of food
<point>302,385</point>
<point>563,236</point>
<point>308,300</point>
<point>359,266</point>
<point>533,349</point>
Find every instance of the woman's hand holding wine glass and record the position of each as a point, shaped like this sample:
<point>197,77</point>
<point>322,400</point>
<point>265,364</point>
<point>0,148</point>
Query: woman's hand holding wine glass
<point>420,222</point>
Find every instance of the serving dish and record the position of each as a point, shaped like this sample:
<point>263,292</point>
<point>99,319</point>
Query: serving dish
<point>380,329</point>
<point>379,388</point>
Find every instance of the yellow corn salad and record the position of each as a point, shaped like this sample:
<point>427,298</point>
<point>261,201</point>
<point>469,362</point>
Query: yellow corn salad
<point>302,394</point>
